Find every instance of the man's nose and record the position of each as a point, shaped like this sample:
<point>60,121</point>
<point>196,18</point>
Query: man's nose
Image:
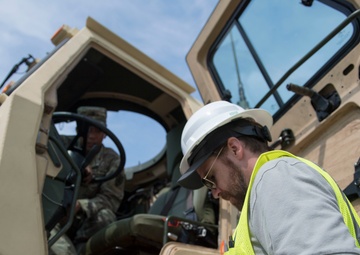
<point>215,192</point>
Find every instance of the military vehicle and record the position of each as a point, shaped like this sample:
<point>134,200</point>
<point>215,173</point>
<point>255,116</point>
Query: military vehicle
<point>297,59</point>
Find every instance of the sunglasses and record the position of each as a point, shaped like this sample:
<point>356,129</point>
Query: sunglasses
<point>210,184</point>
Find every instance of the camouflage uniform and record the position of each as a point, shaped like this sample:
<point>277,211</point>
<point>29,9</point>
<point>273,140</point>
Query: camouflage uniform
<point>96,113</point>
<point>98,201</point>
<point>63,245</point>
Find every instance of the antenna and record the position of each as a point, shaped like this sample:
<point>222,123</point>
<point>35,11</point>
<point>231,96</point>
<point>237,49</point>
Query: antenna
<point>16,67</point>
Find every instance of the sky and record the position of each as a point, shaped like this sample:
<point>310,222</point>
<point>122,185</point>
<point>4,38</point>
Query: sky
<point>162,29</point>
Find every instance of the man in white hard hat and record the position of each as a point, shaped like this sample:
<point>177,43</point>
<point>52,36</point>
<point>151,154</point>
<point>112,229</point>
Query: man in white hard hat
<point>288,204</point>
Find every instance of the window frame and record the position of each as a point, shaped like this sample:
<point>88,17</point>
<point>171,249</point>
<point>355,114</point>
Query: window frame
<point>344,7</point>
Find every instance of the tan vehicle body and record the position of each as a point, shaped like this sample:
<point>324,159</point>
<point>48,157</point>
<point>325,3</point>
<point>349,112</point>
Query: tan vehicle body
<point>26,114</point>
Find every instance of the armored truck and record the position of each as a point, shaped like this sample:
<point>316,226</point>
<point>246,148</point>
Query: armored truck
<point>297,59</point>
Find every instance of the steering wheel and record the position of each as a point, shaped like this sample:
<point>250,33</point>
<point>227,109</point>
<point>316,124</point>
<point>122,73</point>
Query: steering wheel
<point>78,154</point>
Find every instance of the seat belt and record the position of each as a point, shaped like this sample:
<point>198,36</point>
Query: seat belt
<point>171,200</point>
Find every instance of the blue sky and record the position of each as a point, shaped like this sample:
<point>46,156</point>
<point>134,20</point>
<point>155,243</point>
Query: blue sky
<point>163,29</point>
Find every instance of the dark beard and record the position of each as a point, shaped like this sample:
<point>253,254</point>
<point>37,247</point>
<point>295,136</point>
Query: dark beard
<point>237,186</point>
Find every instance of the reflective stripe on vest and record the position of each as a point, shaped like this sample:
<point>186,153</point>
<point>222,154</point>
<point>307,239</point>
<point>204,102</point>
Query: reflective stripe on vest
<point>242,233</point>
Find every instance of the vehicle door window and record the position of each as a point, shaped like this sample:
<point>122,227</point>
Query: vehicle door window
<point>264,42</point>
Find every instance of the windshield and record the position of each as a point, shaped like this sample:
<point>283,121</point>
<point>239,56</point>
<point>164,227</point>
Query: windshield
<point>140,144</point>
<point>264,42</point>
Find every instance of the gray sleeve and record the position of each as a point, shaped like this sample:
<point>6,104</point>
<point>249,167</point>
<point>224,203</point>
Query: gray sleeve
<point>293,210</point>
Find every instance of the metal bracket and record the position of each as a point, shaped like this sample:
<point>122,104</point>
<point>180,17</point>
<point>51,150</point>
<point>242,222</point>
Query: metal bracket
<point>352,191</point>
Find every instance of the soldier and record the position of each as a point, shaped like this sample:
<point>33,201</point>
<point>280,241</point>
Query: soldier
<point>97,202</point>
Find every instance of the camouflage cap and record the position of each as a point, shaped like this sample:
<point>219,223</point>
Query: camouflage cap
<point>97,113</point>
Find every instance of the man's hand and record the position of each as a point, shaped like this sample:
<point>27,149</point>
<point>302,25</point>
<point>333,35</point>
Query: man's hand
<point>88,175</point>
<point>77,207</point>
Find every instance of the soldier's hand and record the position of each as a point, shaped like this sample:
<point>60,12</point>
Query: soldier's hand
<point>77,207</point>
<point>88,175</point>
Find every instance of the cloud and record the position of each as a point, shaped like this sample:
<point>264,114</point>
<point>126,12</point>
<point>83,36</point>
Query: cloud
<point>164,30</point>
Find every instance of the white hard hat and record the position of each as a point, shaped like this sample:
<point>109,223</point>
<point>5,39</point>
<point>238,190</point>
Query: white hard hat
<point>203,122</point>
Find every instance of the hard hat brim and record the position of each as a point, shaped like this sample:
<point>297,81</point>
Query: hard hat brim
<point>191,179</point>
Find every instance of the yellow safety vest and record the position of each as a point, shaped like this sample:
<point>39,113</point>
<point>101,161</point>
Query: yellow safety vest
<point>242,233</point>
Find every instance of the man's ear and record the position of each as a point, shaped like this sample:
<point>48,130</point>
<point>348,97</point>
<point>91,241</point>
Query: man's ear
<point>235,146</point>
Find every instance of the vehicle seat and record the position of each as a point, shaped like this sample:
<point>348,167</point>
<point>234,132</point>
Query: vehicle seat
<point>146,231</point>
<point>172,200</point>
